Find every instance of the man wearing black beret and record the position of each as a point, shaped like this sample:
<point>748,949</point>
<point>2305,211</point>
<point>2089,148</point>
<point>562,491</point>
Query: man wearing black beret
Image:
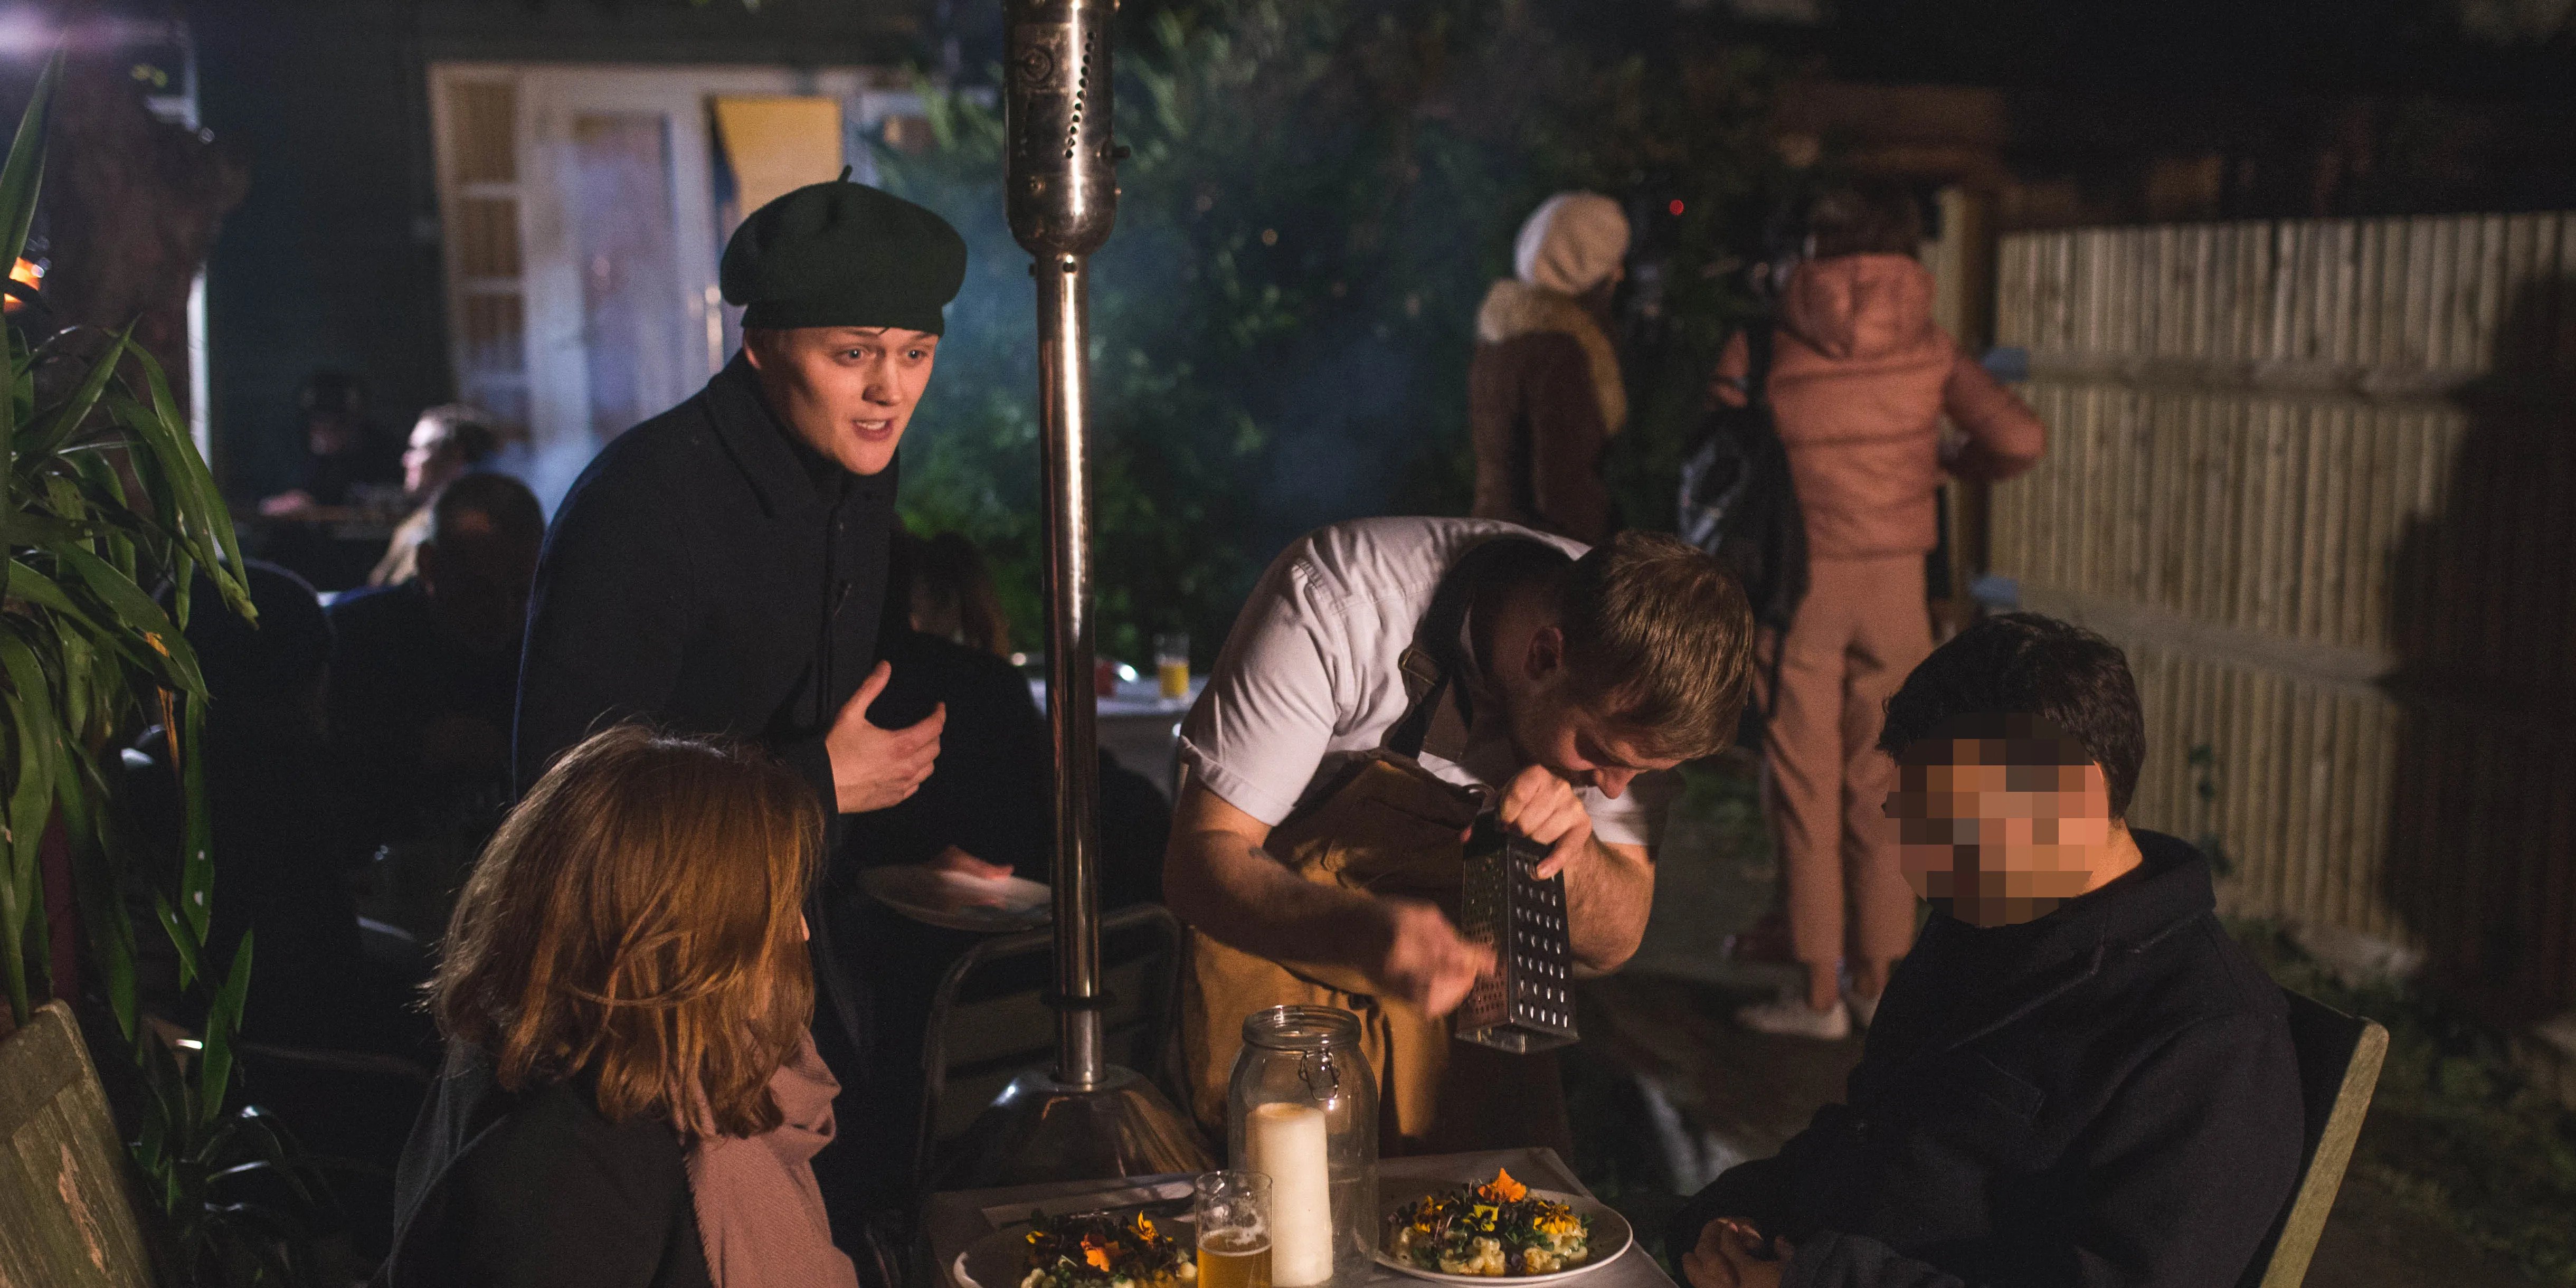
<point>721,567</point>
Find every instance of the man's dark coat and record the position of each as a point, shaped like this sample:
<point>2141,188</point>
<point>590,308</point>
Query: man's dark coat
<point>2106,1095</point>
<point>711,573</point>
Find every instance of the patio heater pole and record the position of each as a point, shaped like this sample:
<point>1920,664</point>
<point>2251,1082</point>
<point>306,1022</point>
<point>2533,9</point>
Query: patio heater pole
<point>1060,186</point>
<point>1085,1118</point>
<point>1064,435</point>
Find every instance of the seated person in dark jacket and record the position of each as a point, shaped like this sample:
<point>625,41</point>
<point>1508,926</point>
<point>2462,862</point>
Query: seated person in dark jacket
<point>2076,1077</point>
<point>631,1095</point>
<point>423,686</point>
<point>279,852</point>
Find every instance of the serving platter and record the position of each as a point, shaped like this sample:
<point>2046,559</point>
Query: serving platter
<point>1611,1238</point>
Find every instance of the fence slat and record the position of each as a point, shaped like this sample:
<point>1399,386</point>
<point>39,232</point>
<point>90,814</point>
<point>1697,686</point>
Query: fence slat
<point>2356,591</point>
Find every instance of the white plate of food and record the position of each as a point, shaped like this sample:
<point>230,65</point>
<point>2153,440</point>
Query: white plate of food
<point>927,892</point>
<point>1130,1249</point>
<point>1499,1231</point>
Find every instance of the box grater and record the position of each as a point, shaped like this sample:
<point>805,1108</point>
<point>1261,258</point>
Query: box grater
<point>1527,1004</point>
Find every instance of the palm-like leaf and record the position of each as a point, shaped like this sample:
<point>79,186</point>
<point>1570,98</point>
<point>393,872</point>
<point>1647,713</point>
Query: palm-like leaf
<point>107,494</point>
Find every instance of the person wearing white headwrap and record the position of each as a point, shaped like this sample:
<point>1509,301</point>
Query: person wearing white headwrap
<point>1543,391</point>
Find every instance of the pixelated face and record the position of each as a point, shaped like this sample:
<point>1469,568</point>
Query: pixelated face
<point>1999,831</point>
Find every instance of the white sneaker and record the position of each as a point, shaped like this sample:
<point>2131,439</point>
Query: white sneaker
<point>1790,1016</point>
<point>1864,1010</point>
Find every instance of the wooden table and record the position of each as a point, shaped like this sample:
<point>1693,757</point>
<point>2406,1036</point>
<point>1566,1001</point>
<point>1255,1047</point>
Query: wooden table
<point>957,1218</point>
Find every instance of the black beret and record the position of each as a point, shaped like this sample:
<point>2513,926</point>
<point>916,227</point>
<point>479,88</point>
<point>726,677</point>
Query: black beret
<point>843,254</point>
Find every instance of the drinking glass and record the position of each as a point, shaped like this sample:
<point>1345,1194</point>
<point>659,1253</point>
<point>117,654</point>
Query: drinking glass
<point>1172,663</point>
<point>1234,1229</point>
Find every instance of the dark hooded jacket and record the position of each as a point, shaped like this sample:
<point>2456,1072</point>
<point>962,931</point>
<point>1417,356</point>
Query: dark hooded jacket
<point>713,574</point>
<point>2106,1095</point>
<point>500,1189</point>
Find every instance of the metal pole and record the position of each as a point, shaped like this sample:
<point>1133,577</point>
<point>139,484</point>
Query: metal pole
<point>1091,1118</point>
<point>1072,707</point>
<point>1060,185</point>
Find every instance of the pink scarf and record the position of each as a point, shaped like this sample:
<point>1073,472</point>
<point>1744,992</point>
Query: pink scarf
<point>760,1215</point>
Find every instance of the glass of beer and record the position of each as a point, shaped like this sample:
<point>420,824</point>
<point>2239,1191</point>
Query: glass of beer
<point>1234,1230</point>
<point>1172,664</point>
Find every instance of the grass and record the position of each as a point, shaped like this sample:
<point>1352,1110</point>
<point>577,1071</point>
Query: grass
<point>2455,1130</point>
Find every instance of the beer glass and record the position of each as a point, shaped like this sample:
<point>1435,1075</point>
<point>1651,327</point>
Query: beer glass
<point>1234,1230</point>
<point>1172,664</point>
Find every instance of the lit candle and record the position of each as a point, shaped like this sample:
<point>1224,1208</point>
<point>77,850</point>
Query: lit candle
<point>1287,1144</point>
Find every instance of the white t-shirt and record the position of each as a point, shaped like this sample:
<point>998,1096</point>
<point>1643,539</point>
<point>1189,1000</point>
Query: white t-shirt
<point>1312,676</point>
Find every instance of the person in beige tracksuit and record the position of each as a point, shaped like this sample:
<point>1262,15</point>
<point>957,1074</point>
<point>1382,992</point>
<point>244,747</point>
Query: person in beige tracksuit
<point>1861,379</point>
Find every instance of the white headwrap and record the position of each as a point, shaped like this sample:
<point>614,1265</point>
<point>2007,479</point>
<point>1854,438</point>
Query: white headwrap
<point>1571,243</point>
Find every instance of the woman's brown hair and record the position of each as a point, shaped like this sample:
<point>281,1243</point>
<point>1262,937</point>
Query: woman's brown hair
<point>636,922</point>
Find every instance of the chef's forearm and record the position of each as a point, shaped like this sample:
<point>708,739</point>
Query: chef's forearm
<point>1226,887</point>
<point>1607,897</point>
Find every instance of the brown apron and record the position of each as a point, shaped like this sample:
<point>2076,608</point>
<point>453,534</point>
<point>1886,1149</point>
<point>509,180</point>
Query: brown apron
<point>1386,826</point>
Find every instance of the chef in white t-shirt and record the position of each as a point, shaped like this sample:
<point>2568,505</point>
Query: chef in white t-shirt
<point>1380,667</point>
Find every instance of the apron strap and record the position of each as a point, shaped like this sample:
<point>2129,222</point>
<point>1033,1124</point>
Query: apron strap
<point>1433,659</point>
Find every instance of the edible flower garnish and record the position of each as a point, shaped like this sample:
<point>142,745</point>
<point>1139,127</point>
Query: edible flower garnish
<point>1496,1228</point>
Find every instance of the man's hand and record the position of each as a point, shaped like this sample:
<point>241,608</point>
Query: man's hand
<point>952,859</point>
<point>1731,1254</point>
<point>1546,810</point>
<point>873,768</point>
<point>1425,962</point>
<point>287,504</point>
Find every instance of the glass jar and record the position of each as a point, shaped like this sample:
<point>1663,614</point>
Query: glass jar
<point>1302,1110</point>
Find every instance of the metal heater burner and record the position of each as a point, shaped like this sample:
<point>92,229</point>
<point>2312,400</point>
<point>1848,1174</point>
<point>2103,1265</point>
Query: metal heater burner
<point>1528,1003</point>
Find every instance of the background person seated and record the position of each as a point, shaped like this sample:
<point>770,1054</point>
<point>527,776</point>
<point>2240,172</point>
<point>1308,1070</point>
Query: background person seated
<point>953,596</point>
<point>446,443</point>
<point>2077,1077</point>
<point>342,454</point>
<point>278,859</point>
<point>422,693</point>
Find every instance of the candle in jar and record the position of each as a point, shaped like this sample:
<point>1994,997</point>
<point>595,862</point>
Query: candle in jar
<point>1287,1143</point>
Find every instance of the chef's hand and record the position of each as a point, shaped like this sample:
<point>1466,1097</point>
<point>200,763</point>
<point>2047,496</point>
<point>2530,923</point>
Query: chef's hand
<point>872,767</point>
<point>1731,1254</point>
<point>1546,809</point>
<point>1425,961</point>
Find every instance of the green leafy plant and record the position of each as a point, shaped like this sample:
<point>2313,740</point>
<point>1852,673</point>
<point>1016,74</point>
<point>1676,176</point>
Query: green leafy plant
<point>107,495</point>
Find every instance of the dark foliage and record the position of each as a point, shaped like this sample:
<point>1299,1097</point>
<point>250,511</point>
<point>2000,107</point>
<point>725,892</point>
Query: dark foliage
<point>1319,195</point>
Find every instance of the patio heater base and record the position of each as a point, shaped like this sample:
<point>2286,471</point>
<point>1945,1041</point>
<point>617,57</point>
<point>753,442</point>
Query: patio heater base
<point>1040,1129</point>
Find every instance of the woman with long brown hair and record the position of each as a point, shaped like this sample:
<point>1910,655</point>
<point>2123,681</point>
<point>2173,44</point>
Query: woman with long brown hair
<point>631,1096</point>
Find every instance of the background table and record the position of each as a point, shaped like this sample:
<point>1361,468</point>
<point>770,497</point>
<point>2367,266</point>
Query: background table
<point>956,1218</point>
<point>1138,725</point>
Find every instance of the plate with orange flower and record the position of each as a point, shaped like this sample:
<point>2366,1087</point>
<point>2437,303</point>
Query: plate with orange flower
<point>1477,1232</point>
<point>1107,1249</point>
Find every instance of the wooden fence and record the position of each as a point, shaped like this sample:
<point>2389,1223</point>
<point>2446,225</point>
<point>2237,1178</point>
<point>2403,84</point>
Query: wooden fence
<point>2319,478</point>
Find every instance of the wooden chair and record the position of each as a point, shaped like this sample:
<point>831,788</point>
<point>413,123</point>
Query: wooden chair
<point>2339,1058</point>
<point>67,1196</point>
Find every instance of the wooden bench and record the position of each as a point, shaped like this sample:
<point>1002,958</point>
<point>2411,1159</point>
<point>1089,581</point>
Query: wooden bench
<point>67,1196</point>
